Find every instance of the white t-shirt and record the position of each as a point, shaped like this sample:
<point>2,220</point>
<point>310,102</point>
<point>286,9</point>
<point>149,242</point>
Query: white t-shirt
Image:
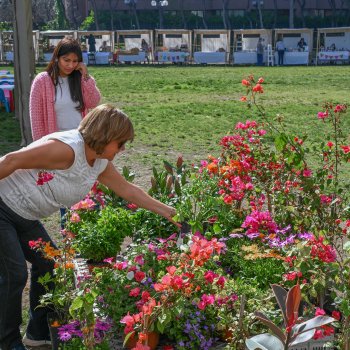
<point>280,46</point>
<point>67,116</point>
<point>20,192</point>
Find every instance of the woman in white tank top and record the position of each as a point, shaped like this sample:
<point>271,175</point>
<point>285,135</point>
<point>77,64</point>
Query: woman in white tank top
<point>77,158</point>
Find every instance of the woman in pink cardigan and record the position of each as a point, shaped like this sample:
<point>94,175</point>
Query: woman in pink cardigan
<point>62,95</point>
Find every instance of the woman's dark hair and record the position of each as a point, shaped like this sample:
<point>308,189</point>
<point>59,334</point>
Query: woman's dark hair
<point>65,47</point>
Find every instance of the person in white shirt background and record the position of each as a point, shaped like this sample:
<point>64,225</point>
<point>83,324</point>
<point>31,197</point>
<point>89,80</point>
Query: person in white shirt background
<point>280,47</point>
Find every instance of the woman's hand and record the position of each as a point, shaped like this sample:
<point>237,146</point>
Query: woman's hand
<point>169,214</point>
<point>81,67</point>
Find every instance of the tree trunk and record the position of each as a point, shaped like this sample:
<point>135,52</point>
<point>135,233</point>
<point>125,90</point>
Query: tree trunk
<point>204,18</point>
<point>291,13</point>
<point>161,19</point>
<point>225,19</point>
<point>333,5</point>
<point>260,14</point>
<point>24,64</point>
<point>275,13</point>
<point>111,14</point>
<point>184,22</point>
<point>134,11</point>
<point>94,7</point>
<point>302,4</point>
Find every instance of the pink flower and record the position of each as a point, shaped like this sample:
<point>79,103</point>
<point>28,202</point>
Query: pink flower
<point>330,144</point>
<point>171,270</point>
<point>307,173</point>
<point>128,320</point>
<point>44,176</point>
<point>318,334</point>
<point>139,260</point>
<point>346,149</point>
<point>134,292</point>
<point>322,115</point>
<point>75,217</point>
<point>320,312</point>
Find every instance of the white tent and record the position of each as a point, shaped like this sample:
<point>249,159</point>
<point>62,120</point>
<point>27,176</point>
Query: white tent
<point>102,54</point>
<point>6,45</point>
<point>245,42</point>
<point>211,46</point>
<point>294,55</point>
<point>48,40</point>
<point>129,45</point>
<point>173,45</point>
<point>333,45</point>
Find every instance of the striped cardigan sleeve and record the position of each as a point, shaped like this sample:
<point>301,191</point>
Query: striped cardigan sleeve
<point>37,108</point>
<point>91,93</point>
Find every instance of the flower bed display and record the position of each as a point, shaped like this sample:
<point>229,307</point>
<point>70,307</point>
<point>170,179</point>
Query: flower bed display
<point>270,209</point>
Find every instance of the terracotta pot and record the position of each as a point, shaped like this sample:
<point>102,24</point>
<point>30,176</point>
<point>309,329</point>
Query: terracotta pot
<point>92,265</point>
<point>152,341</point>
<point>227,335</point>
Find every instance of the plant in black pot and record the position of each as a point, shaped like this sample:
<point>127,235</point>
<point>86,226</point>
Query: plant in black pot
<point>60,286</point>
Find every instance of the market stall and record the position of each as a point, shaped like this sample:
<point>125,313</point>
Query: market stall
<point>134,46</point>
<point>173,45</point>
<point>333,45</point>
<point>295,52</point>
<point>245,42</point>
<point>211,46</point>
<point>48,40</point>
<point>103,46</point>
<point>6,46</point>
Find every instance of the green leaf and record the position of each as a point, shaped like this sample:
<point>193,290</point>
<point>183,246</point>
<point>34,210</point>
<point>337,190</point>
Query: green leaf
<point>280,142</point>
<point>217,228</point>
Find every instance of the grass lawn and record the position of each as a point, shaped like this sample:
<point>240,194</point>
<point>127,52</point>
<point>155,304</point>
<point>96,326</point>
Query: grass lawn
<point>186,109</point>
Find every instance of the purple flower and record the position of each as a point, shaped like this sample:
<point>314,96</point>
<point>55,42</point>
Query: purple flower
<point>253,235</point>
<point>236,235</point>
<point>64,336</point>
<point>306,235</point>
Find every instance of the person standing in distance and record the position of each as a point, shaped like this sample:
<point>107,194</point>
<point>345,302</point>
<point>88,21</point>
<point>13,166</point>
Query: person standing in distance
<point>62,95</point>
<point>280,50</point>
<point>260,52</point>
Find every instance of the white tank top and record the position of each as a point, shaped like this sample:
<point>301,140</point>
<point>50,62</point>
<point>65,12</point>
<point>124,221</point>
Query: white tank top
<point>67,116</point>
<point>20,192</point>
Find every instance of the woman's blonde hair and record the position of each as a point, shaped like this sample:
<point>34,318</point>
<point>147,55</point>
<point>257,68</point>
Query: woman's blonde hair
<point>104,124</point>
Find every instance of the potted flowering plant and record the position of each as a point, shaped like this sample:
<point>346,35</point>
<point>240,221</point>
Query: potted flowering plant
<point>164,285</point>
<point>71,299</point>
<point>98,227</point>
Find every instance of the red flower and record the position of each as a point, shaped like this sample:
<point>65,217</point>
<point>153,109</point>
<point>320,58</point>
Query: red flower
<point>258,88</point>
<point>336,315</point>
<point>139,276</point>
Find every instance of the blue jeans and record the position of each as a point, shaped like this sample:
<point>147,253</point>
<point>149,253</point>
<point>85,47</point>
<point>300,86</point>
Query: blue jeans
<point>260,59</point>
<point>15,233</point>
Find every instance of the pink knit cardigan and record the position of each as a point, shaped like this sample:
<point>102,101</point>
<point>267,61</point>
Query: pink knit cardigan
<point>42,103</point>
